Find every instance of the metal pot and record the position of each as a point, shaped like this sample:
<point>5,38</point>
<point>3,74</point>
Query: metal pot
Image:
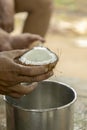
<point>48,107</point>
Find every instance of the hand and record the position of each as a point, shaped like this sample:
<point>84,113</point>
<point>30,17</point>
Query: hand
<point>4,41</point>
<point>22,41</point>
<point>12,74</point>
<point>7,15</point>
<point>25,40</point>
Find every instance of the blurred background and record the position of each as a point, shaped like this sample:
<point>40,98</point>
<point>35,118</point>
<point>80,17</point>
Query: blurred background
<point>67,37</point>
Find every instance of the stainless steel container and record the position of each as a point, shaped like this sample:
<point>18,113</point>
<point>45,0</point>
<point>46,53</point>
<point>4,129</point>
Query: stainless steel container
<point>48,107</point>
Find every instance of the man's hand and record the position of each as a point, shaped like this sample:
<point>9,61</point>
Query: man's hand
<point>12,74</point>
<point>7,15</point>
<point>25,40</point>
<point>22,41</point>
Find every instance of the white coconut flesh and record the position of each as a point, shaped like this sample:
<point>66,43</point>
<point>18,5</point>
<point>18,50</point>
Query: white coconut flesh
<point>38,56</point>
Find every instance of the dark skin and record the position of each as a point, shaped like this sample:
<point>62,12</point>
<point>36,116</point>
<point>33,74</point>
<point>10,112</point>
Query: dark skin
<point>22,41</point>
<point>39,14</point>
<point>11,73</point>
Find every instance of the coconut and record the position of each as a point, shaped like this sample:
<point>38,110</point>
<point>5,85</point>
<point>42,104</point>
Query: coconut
<point>39,56</point>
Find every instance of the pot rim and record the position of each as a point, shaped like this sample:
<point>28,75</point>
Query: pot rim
<point>47,109</point>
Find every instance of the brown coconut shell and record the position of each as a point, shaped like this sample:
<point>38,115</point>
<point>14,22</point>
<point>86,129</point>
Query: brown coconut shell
<point>50,66</point>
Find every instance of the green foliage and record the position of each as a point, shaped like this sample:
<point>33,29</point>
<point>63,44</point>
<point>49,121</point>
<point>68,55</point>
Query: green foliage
<point>69,4</point>
<point>64,2</point>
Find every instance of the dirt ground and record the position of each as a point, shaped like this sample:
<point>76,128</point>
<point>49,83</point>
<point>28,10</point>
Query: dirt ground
<point>72,59</point>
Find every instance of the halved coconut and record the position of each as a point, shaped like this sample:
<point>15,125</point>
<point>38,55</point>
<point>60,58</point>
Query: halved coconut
<point>39,56</point>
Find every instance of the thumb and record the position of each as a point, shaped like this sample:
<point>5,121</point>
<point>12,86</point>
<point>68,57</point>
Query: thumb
<point>16,53</point>
<point>5,47</point>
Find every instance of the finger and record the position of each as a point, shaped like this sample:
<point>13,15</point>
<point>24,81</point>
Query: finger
<point>4,90</point>
<point>33,38</point>
<point>18,53</point>
<point>35,78</point>
<point>5,47</point>
<point>29,38</point>
<point>13,54</point>
<point>14,95</point>
<point>25,40</point>
<point>9,93</point>
<point>23,88</point>
<point>31,70</point>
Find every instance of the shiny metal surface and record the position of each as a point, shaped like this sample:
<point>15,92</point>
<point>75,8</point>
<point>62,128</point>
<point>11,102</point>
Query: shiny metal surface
<point>49,107</point>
